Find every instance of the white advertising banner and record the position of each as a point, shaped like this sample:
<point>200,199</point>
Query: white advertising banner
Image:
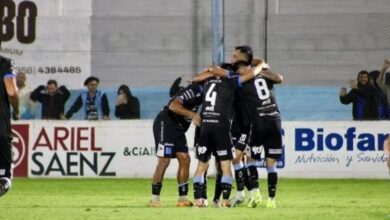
<point>48,39</point>
<point>93,149</point>
<point>126,149</point>
<point>335,149</point>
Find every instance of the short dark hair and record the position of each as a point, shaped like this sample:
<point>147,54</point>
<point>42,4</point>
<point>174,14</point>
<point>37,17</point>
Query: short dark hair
<point>90,79</point>
<point>52,81</point>
<point>247,51</point>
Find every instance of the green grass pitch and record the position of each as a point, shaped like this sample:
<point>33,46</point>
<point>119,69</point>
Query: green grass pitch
<point>127,199</point>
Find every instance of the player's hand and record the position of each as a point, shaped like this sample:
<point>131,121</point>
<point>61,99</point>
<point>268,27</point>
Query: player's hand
<point>257,61</point>
<point>266,74</point>
<point>196,119</point>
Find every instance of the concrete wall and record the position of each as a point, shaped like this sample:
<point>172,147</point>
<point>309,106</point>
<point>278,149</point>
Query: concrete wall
<point>328,42</point>
<point>150,42</point>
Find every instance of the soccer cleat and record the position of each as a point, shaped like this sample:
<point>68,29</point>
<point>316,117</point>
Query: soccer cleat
<point>254,200</point>
<point>184,203</point>
<point>226,204</point>
<point>205,202</point>
<point>271,203</point>
<point>154,204</point>
<point>5,185</point>
<point>200,203</point>
<point>216,203</point>
<point>237,201</point>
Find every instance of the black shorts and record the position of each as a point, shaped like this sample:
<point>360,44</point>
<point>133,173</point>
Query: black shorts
<point>215,139</point>
<point>266,134</point>
<point>168,138</point>
<point>5,156</point>
<point>240,137</point>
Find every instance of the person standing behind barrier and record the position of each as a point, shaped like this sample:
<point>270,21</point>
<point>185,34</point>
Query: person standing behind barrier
<point>127,105</point>
<point>380,97</point>
<point>27,107</point>
<point>383,81</point>
<point>362,96</point>
<point>94,102</point>
<point>52,98</point>
<point>8,96</point>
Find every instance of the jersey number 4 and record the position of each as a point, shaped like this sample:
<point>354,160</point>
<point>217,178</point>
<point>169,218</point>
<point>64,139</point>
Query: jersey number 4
<point>211,97</point>
<point>262,88</point>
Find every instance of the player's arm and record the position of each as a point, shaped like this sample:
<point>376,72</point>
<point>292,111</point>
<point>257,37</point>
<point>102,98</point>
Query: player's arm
<point>250,73</point>
<point>12,91</point>
<point>386,65</point>
<point>202,76</point>
<point>275,77</point>
<point>177,107</point>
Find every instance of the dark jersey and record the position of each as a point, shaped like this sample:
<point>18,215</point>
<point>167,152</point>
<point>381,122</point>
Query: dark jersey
<point>5,113</point>
<point>218,99</point>
<point>259,97</point>
<point>191,98</point>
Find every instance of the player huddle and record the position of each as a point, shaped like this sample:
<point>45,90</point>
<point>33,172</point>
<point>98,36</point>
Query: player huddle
<point>239,116</point>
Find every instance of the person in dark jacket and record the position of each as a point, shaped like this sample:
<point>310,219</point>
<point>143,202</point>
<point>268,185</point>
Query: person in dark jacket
<point>381,98</point>
<point>52,98</point>
<point>127,105</point>
<point>362,96</point>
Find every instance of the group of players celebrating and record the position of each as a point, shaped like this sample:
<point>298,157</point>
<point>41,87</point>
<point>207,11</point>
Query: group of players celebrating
<point>239,116</point>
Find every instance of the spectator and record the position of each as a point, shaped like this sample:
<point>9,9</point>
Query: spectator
<point>52,98</point>
<point>383,81</point>
<point>127,105</point>
<point>94,102</point>
<point>380,97</point>
<point>362,96</point>
<point>27,107</point>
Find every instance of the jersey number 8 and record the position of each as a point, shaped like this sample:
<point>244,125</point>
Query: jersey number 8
<point>262,88</point>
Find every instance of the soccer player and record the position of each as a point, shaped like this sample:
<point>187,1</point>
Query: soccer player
<point>215,135</point>
<point>266,128</point>
<point>169,129</point>
<point>8,96</point>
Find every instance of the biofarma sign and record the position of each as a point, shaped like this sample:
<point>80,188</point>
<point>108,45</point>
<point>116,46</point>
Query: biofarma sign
<point>69,151</point>
<point>320,139</point>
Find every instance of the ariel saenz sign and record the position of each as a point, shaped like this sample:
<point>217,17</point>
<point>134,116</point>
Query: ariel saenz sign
<point>42,37</point>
